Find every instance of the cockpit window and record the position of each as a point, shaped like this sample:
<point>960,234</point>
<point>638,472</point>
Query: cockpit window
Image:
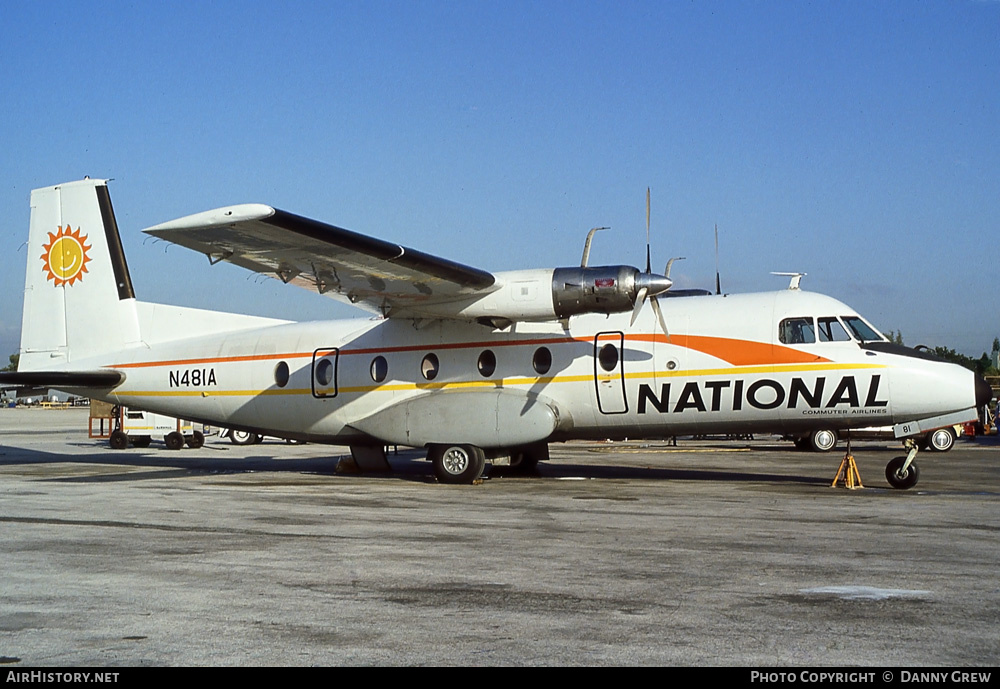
<point>797,331</point>
<point>862,331</point>
<point>830,330</point>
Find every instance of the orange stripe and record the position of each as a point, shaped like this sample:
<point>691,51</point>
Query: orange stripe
<point>736,352</point>
<point>466,345</point>
<point>214,360</point>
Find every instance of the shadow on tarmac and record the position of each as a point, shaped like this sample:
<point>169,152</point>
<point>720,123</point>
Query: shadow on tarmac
<point>407,465</point>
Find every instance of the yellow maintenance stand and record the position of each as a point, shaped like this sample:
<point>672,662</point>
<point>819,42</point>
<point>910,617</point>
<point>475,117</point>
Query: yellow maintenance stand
<point>848,471</point>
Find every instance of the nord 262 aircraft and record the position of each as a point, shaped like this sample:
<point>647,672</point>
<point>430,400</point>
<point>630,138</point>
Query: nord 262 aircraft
<point>472,365</point>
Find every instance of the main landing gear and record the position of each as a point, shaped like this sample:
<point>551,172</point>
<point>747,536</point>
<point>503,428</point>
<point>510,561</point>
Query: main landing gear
<point>462,463</point>
<point>902,472</point>
<point>823,440</point>
<point>457,463</point>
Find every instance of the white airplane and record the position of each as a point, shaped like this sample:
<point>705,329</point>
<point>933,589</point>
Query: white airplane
<point>471,365</point>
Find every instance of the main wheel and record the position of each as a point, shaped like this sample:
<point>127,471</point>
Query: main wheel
<point>524,461</point>
<point>173,440</point>
<point>118,440</point>
<point>898,480</point>
<point>196,440</point>
<point>802,444</point>
<point>823,440</point>
<point>457,463</point>
<point>941,440</point>
<point>242,437</point>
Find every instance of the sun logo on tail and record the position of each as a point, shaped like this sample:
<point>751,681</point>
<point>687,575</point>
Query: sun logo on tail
<point>65,259</point>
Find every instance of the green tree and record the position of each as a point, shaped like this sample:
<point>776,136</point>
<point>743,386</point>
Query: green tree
<point>981,365</point>
<point>13,363</point>
<point>954,357</point>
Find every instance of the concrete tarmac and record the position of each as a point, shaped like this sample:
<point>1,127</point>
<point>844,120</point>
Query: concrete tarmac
<point>710,553</point>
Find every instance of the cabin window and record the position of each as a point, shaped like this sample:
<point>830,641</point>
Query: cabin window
<point>862,331</point>
<point>608,357</point>
<point>379,369</point>
<point>429,367</point>
<point>281,374</point>
<point>830,330</point>
<point>542,360</point>
<point>324,372</point>
<point>487,363</point>
<point>796,331</point>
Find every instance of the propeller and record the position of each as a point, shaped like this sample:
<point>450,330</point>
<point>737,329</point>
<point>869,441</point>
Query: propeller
<point>650,285</point>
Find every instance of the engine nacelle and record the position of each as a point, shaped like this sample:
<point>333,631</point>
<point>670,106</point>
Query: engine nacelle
<point>543,295</point>
<point>601,289</point>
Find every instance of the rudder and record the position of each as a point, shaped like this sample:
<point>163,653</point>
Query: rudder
<point>78,296</point>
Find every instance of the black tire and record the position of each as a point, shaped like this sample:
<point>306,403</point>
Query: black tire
<point>173,440</point>
<point>457,463</point>
<point>524,461</point>
<point>901,481</point>
<point>802,444</point>
<point>196,440</point>
<point>242,437</point>
<point>118,440</point>
<point>140,440</point>
<point>941,440</point>
<point>823,440</point>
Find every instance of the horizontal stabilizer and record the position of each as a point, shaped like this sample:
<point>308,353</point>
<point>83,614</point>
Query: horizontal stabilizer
<point>62,379</point>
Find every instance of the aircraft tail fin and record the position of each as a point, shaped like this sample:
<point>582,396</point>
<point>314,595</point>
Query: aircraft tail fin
<point>78,296</point>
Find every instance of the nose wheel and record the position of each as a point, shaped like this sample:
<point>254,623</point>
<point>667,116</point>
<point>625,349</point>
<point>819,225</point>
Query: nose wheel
<point>902,472</point>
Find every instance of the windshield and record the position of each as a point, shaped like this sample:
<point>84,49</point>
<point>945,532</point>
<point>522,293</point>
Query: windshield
<point>861,330</point>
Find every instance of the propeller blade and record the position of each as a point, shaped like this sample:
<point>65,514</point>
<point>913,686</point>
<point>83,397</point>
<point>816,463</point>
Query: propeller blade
<point>639,299</point>
<point>659,316</point>
<point>649,268</point>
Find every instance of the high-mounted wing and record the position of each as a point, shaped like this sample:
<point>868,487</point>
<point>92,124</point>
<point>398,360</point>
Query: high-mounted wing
<point>374,274</point>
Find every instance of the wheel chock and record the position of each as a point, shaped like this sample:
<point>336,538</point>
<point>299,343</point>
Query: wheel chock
<point>849,471</point>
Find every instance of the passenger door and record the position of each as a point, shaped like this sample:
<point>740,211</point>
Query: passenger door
<point>609,372</point>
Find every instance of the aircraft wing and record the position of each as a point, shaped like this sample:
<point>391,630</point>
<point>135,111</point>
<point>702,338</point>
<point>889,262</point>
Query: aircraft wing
<point>376,275</point>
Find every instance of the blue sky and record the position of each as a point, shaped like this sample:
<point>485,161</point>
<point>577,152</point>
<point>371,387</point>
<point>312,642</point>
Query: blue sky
<point>854,141</point>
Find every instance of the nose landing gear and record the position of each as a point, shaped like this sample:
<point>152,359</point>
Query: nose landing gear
<point>902,472</point>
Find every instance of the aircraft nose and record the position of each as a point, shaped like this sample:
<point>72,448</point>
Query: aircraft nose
<point>984,393</point>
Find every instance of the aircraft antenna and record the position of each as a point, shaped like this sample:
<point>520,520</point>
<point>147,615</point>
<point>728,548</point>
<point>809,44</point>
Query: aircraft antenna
<point>718,284</point>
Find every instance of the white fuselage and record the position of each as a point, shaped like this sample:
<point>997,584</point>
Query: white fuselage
<point>721,369</point>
